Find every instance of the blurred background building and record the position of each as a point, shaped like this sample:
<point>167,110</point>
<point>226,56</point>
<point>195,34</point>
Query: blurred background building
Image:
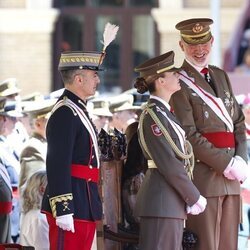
<point>33,33</point>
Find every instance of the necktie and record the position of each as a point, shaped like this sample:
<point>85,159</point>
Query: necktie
<point>204,71</point>
<point>208,79</point>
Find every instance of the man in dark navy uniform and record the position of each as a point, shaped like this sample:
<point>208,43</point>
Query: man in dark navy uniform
<point>71,200</point>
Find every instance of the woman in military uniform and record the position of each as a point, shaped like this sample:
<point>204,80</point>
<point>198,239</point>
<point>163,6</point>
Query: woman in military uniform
<point>167,193</point>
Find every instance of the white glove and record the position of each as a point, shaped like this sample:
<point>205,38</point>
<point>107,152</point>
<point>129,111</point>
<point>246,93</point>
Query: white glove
<point>237,169</point>
<point>227,172</point>
<point>198,207</point>
<point>66,222</point>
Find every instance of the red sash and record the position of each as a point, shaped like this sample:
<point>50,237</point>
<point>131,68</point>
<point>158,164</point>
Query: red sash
<point>5,207</point>
<point>221,139</point>
<point>85,172</point>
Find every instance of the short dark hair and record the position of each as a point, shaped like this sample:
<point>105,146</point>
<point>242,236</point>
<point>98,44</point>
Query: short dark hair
<point>68,75</point>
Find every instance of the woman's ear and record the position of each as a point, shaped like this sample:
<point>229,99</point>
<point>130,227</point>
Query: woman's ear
<point>161,79</point>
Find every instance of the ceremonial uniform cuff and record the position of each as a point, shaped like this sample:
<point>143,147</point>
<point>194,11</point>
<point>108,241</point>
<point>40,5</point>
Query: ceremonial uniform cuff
<point>61,205</point>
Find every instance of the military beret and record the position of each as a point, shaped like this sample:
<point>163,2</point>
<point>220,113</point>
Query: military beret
<point>81,60</point>
<point>157,65</point>
<point>195,30</point>
<point>9,87</point>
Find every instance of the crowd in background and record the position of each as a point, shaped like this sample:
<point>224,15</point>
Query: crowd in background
<point>23,154</point>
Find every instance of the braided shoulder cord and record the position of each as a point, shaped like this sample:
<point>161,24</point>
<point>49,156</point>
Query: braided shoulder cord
<point>188,157</point>
<point>143,142</point>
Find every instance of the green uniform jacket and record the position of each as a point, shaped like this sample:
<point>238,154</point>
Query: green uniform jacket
<point>166,190</point>
<point>32,157</point>
<point>198,118</point>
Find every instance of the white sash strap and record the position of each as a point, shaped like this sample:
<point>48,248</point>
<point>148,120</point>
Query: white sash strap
<point>178,130</point>
<point>5,176</point>
<point>84,119</point>
<point>215,103</point>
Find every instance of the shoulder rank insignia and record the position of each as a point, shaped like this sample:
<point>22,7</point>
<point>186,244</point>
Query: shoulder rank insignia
<point>156,130</point>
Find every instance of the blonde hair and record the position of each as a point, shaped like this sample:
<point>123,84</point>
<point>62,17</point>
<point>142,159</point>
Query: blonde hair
<point>32,194</point>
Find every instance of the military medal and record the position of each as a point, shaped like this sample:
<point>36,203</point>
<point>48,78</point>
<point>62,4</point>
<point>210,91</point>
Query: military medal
<point>229,102</point>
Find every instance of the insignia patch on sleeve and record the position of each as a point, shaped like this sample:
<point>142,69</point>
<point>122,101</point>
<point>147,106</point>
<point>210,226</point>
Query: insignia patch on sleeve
<point>156,130</point>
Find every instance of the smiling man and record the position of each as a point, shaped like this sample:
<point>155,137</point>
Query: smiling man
<point>214,124</point>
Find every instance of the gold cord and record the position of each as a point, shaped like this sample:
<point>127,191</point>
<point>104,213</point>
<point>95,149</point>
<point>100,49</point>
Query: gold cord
<point>188,157</point>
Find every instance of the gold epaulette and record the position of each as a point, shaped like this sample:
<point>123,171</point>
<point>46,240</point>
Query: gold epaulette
<point>63,102</point>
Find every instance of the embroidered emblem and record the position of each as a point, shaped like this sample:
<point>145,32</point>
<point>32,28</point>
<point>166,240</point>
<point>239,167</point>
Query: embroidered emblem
<point>206,114</point>
<point>197,28</point>
<point>156,130</point>
<point>65,205</point>
<point>59,199</point>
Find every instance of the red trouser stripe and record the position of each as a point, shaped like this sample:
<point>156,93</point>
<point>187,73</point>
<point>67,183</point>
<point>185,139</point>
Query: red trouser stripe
<point>5,207</point>
<point>85,172</point>
<point>221,139</point>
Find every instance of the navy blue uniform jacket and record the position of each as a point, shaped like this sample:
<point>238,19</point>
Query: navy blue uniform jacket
<point>69,142</point>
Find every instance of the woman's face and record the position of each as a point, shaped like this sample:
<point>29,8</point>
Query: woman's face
<point>172,81</point>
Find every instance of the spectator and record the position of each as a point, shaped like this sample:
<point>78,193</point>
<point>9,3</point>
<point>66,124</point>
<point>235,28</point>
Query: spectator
<point>9,89</point>
<point>34,226</point>
<point>5,194</point>
<point>8,157</point>
<point>33,155</point>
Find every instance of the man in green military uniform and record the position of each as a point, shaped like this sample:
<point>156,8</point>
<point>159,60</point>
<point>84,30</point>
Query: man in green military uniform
<point>33,155</point>
<point>214,124</point>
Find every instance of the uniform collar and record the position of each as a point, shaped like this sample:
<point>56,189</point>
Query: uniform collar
<point>196,67</point>
<point>38,136</point>
<point>160,100</point>
<point>74,98</point>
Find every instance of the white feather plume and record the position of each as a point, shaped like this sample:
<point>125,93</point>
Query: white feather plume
<point>109,34</point>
